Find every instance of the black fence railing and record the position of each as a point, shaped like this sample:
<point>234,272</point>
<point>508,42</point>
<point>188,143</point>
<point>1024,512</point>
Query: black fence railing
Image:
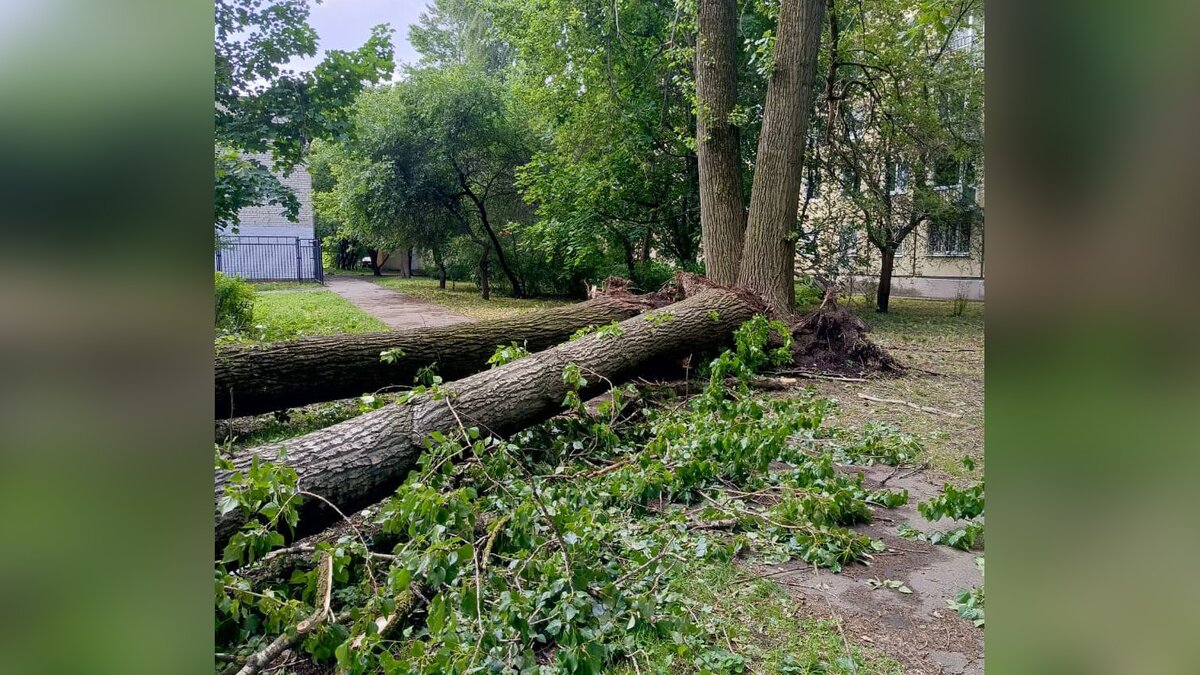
<point>261,258</point>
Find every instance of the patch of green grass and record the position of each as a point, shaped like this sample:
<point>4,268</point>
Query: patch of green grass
<point>284,285</point>
<point>762,625</point>
<point>463,297</point>
<point>356,272</point>
<point>945,354</point>
<point>249,432</point>
<point>286,316</point>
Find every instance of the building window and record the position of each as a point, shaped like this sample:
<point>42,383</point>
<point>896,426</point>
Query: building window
<point>951,238</point>
<point>947,172</point>
<point>898,178</point>
<point>848,243</point>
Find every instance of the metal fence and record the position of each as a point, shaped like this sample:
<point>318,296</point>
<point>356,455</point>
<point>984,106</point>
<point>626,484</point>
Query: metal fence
<point>270,258</point>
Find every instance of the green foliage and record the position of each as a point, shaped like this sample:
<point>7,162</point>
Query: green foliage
<point>658,318</point>
<point>611,95</point>
<point>880,443</point>
<point>963,538</point>
<point>234,304</point>
<point>507,354</point>
<point>609,330</point>
<point>287,316</point>
<point>263,108</point>
<point>391,355</point>
<point>268,494</point>
<point>901,146</point>
<point>526,551</point>
<point>968,602</point>
<point>898,586</point>
<point>431,163</point>
<point>956,503</point>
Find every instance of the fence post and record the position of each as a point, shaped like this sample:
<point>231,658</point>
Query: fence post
<point>318,262</point>
<point>219,258</point>
<point>299,276</point>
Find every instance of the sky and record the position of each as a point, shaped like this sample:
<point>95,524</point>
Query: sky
<point>346,24</point>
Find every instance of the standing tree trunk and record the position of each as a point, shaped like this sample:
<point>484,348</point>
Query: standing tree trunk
<point>255,379</point>
<point>375,262</point>
<point>630,264</point>
<point>884,293</point>
<point>359,461</point>
<point>517,290</point>
<point>769,251</point>
<point>722,203</point>
<point>485,273</point>
<point>440,261</point>
<point>406,264</point>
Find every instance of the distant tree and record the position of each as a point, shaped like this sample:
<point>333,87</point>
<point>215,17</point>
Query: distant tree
<point>262,107</point>
<point>432,158</point>
<point>608,88</point>
<point>900,136</point>
<point>459,33</point>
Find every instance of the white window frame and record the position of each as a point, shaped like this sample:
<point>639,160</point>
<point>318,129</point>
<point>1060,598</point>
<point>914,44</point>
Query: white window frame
<point>901,178</point>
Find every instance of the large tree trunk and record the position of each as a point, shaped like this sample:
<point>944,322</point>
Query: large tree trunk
<point>769,250</point>
<point>376,262</point>
<point>262,378</point>
<point>884,294</point>
<point>360,461</point>
<point>722,204</point>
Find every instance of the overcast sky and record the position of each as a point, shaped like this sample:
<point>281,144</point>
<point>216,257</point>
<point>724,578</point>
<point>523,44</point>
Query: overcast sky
<point>346,24</point>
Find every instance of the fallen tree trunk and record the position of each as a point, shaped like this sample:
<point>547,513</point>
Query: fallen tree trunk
<point>360,461</point>
<point>252,380</point>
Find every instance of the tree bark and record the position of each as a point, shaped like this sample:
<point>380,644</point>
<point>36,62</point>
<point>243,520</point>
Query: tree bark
<point>517,290</point>
<point>769,252</point>
<point>722,202</point>
<point>485,274</point>
<point>440,261</point>
<point>884,294</point>
<point>360,461</point>
<point>256,379</point>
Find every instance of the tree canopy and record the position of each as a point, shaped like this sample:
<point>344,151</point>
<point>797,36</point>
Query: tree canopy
<point>264,107</point>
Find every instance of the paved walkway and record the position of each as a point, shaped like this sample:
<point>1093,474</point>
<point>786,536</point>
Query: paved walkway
<point>397,310</point>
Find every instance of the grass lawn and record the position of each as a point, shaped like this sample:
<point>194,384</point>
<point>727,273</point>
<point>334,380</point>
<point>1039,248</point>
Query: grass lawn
<point>760,622</point>
<point>285,316</point>
<point>283,285</point>
<point>463,297</point>
<point>926,337</point>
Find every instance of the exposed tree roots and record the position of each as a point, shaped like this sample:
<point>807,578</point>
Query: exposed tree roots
<point>832,338</point>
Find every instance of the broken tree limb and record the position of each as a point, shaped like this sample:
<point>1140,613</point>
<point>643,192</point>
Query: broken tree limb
<point>914,406</point>
<point>362,460</point>
<point>284,642</point>
<point>255,379</point>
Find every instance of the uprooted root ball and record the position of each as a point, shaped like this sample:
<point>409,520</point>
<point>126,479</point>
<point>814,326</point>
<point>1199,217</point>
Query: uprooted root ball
<point>833,338</point>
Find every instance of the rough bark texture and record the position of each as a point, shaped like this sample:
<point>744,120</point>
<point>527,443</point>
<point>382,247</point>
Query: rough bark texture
<point>251,380</point>
<point>360,461</point>
<point>722,204</point>
<point>883,294</point>
<point>769,251</point>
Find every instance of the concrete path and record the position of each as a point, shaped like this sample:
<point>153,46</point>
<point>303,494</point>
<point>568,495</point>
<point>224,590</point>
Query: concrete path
<point>397,310</point>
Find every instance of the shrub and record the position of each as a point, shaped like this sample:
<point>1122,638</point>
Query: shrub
<point>960,302</point>
<point>234,304</point>
<point>808,293</point>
